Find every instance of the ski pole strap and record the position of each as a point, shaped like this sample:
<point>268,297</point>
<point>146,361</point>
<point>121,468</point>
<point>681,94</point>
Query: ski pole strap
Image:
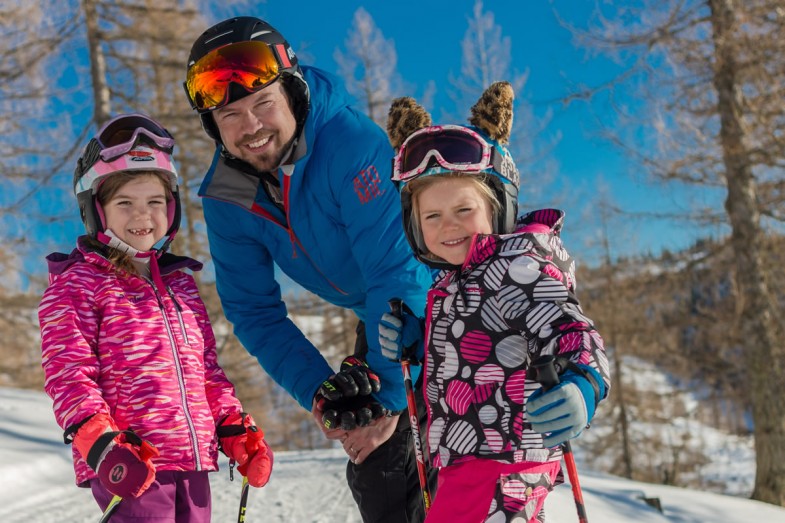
<point>227,431</point>
<point>578,369</point>
<point>548,369</point>
<point>68,435</point>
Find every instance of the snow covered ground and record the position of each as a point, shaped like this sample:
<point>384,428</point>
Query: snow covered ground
<point>36,485</point>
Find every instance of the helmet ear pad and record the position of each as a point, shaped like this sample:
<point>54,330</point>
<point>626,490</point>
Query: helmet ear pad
<point>209,126</point>
<point>507,196</point>
<point>91,213</point>
<point>296,90</point>
<point>413,232</point>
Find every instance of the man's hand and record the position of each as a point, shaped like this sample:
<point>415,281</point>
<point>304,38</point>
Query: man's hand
<point>345,399</point>
<point>362,441</point>
<point>354,378</point>
<point>330,433</point>
<point>349,414</point>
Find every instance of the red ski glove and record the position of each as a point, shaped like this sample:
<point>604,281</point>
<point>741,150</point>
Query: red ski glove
<point>121,459</point>
<point>242,441</point>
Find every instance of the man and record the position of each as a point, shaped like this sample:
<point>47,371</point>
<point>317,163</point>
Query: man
<point>303,180</point>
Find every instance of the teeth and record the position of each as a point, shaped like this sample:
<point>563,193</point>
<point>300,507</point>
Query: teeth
<point>259,143</point>
<point>453,242</point>
<point>140,232</point>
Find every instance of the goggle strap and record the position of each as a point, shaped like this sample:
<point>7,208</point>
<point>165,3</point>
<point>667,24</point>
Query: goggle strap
<point>502,166</point>
<point>282,55</point>
<point>92,153</point>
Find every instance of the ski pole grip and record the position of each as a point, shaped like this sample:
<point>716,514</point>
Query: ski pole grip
<point>545,371</point>
<point>396,309</point>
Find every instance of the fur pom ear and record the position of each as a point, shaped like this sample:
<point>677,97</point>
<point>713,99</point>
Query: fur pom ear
<point>405,117</point>
<point>493,111</point>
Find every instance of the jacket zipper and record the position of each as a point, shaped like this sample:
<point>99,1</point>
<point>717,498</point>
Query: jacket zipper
<point>180,380</point>
<point>180,320</point>
<point>293,237</point>
<point>260,211</point>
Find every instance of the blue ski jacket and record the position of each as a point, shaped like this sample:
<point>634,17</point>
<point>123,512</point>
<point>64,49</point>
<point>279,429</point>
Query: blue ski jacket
<point>340,237</point>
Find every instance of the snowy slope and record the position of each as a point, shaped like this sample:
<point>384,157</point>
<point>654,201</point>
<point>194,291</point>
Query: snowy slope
<point>36,485</point>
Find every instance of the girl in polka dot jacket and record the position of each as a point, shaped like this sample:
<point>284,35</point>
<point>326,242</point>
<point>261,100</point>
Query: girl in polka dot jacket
<point>505,297</point>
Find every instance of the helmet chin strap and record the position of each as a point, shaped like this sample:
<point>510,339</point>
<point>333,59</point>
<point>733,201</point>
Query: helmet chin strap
<point>146,262</point>
<point>112,240</point>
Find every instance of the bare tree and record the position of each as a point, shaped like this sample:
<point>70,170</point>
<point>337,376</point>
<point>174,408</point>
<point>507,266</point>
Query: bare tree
<point>369,67</point>
<point>35,140</point>
<point>486,58</point>
<point>709,76</point>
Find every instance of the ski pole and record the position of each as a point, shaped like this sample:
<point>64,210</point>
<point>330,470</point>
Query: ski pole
<point>110,509</point>
<point>243,500</point>
<point>414,420</point>
<point>548,377</point>
<point>252,444</point>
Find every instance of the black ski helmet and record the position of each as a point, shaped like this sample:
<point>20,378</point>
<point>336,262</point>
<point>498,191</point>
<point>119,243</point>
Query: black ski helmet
<point>246,29</point>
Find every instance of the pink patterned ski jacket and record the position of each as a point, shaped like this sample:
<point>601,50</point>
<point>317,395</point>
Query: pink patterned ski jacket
<point>116,344</point>
<point>511,302</point>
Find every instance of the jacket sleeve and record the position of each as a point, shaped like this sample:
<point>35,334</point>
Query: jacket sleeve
<point>371,210</point>
<point>251,300</point>
<point>539,301</point>
<point>69,325</point>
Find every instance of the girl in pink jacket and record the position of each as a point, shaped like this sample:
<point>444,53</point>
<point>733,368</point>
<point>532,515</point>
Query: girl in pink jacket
<point>127,349</point>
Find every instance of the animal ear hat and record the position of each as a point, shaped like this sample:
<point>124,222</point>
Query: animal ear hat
<point>423,149</point>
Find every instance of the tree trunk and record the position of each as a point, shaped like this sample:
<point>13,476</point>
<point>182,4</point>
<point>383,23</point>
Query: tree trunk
<point>612,339</point>
<point>102,108</point>
<point>760,322</point>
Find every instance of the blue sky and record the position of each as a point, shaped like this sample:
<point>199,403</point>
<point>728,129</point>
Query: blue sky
<point>427,36</point>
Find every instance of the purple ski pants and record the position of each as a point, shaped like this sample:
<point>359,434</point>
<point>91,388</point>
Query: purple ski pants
<point>174,497</point>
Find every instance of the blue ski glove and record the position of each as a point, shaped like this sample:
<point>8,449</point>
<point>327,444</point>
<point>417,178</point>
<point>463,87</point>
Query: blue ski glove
<point>562,412</point>
<point>402,337</point>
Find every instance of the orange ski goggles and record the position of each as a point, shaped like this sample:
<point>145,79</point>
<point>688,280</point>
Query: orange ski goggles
<point>253,65</point>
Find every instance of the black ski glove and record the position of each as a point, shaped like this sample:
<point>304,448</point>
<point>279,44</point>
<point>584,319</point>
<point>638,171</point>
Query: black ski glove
<point>352,413</point>
<point>354,378</point>
<point>346,400</point>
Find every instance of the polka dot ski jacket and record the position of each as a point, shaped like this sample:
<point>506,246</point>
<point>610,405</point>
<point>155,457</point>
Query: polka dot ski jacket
<point>512,301</point>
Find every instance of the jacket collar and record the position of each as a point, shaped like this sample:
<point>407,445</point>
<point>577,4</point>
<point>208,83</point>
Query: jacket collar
<point>59,262</point>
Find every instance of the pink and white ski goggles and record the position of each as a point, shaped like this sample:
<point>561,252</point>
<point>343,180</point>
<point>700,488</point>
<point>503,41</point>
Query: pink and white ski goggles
<point>454,148</point>
<point>119,135</point>
<point>139,158</point>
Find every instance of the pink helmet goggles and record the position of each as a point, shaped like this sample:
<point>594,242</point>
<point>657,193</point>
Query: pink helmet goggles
<point>139,158</point>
